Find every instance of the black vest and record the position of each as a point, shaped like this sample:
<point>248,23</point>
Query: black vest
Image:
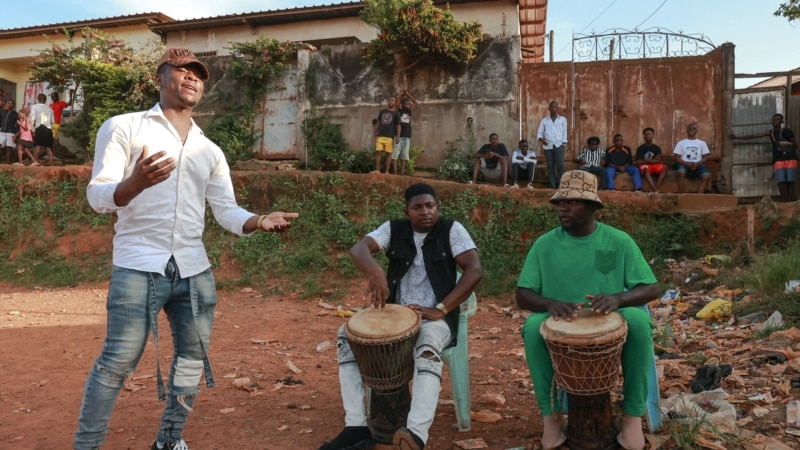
<point>439,262</point>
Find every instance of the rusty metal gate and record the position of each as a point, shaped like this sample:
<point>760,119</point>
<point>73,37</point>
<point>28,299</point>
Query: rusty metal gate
<point>277,120</point>
<point>752,111</point>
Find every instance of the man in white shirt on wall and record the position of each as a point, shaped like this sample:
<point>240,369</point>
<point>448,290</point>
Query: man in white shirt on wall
<point>552,134</point>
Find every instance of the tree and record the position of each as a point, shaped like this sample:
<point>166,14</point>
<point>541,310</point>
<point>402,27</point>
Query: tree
<point>789,10</point>
<point>107,74</point>
<point>412,31</point>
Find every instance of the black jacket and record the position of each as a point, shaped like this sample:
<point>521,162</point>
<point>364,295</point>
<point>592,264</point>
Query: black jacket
<point>439,262</point>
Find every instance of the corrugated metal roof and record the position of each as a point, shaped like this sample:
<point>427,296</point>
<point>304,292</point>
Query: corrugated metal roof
<point>161,23</point>
<point>289,15</point>
<point>254,19</point>
<point>149,19</point>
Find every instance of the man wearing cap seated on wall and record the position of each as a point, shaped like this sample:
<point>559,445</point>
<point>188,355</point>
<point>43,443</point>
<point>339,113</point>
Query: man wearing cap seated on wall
<point>492,161</point>
<point>602,264</point>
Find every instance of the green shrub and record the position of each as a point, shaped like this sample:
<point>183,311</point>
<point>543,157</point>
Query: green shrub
<point>457,164</point>
<point>325,142</point>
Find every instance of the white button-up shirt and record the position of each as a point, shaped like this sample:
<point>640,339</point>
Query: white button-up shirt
<point>555,131</point>
<point>167,219</point>
<point>41,114</point>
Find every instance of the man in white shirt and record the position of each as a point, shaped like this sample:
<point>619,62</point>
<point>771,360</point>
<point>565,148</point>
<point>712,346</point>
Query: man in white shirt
<point>691,154</point>
<point>41,118</point>
<point>523,159</point>
<point>552,134</point>
<point>159,261</point>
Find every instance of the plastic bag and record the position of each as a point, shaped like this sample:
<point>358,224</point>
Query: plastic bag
<point>709,406</point>
<point>716,310</point>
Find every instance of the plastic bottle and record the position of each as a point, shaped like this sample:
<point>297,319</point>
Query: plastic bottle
<point>324,345</point>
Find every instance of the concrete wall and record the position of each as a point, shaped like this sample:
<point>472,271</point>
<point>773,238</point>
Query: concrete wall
<point>485,90</point>
<point>608,97</point>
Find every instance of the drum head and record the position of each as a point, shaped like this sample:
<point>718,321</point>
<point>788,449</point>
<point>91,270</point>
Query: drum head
<point>383,324</point>
<point>586,325</point>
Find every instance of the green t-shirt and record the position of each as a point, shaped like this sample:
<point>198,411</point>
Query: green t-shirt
<point>568,268</point>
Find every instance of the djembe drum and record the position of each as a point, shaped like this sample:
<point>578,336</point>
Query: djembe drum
<point>383,342</point>
<point>586,354</point>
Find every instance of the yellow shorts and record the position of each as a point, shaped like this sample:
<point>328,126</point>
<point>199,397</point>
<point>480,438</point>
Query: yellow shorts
<point>55,128</point>
<point>384,144</point>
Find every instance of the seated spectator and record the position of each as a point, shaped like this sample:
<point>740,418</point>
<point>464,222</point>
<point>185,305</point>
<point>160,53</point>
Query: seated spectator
<point>523,159</point>
<point>648,158</point>
<point>692,154</point>
<point>491,161</point>
<point>619,159</point>
<point>593,160</point>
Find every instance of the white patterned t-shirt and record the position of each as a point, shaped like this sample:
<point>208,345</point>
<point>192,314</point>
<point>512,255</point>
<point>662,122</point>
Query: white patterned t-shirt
<point>415,287</point>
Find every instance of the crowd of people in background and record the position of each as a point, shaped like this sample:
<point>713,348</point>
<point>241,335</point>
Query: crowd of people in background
<point>646,165</point>
<point>32,132</point>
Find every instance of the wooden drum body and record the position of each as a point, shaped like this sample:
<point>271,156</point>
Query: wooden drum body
<point>586,353</point>
<point>383,343</point>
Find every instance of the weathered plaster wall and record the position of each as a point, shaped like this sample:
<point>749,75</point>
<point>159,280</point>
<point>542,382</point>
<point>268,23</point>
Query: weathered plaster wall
<point>485,90</point>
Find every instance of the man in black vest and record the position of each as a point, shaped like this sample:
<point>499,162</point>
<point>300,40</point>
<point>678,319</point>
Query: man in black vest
<point>424,252</point>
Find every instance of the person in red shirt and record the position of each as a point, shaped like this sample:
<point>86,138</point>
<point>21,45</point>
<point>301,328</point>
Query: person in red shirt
<point>58,107</point>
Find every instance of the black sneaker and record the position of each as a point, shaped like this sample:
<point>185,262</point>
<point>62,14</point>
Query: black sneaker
<point>350,437</point>
<point>405,439</point>
<point>169,445</point>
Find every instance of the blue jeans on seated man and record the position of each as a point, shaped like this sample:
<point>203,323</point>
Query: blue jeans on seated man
<point>632,170</point>
<point>134,300</point>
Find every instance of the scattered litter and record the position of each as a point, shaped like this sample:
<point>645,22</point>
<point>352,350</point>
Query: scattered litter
<point>708,378</point>
<point>793,417</point>
<point>495,399</point>
<point>717,260</point>
<point>670,294</point>
<point>324,345</point>
<point>716,310</point>
<point>792,286</point>
<point>693,408</point>
<point>468,444</point>
<point>752,318</point>
<point>774,321</point>
<point>325,305</point>
<point>292,367</point>
<point>486,416</point>
<point>227,410</point>
<point>343,313</point>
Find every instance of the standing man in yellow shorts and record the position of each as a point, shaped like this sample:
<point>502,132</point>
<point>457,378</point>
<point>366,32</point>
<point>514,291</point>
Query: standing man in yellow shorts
<point>386,134</point>
<point>57,106</point>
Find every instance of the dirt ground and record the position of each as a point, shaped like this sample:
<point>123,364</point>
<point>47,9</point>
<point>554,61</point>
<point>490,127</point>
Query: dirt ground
<point>51,338</point>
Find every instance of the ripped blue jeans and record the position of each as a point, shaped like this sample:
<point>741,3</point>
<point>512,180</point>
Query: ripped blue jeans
<point>134,301</point>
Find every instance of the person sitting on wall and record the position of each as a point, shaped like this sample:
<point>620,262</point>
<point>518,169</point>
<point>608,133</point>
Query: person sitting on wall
<point>490,160</point>
<point>619,159</point>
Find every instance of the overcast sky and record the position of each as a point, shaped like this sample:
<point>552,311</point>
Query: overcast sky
<point>764,43</point>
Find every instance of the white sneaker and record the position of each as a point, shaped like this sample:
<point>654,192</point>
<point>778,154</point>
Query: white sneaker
<point>469,182</point>
<point>530,185</point>
<point>514,186</point>
<point>507,185</point>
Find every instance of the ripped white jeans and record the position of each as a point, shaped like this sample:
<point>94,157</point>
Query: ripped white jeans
<point>434,336</point>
